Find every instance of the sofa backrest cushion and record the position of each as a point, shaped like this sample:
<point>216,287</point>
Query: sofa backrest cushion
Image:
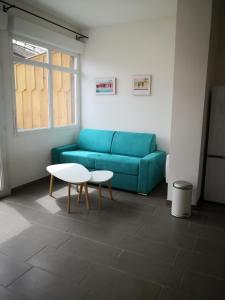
<point>133,144</point>
<point>95,140</point>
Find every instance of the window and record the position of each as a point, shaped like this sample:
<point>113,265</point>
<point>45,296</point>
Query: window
<point>45,86</point>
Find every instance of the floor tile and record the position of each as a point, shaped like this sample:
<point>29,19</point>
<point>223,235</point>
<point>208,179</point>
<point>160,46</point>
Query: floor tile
<point>61,263</point>
<point>203,286</point>
<point>146,268</point>
<point>105,283</point>
<point>211,232</point>
<point>175,233</point>
<point>175,276</point>
<point>45,235</point>
<point>170,294</point>
<point>15,208</point>
<point>5,294</point>
<point>197,217</point>
<point>124,217</point>
<point>210,247</point>
<point>132,203</point>
<point>39,284</point>
<point>171,224</point>
<point>105,234</point>
<point>163,210</point>
<point>210,265</point>
<point>90,250</point>
<point>81,214</point>
<point>54,221</point>
<point>13,224</point>
<point>20,248</point>
<point>155,250</point>
<point>11,269</point>
<point>213,214</point>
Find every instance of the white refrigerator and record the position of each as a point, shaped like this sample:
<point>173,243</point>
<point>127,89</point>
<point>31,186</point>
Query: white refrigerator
<point>214,187</point>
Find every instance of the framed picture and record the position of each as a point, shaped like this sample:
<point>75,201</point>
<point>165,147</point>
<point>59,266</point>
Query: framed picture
<point>142,84</point>
<point>105,86</point>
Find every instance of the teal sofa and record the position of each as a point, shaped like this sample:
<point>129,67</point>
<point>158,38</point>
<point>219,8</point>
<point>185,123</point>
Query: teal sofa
<point>137,165</point>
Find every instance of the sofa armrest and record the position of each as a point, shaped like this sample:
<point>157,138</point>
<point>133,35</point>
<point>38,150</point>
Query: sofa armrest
<point>55,152</point>
<point>151,171</point>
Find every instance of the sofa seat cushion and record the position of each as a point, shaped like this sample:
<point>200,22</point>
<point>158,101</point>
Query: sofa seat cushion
<point>118,164</point>
<point>85,158</point>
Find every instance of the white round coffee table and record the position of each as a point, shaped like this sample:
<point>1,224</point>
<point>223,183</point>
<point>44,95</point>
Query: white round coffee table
<point>99,177</point>
<point>72,174</point>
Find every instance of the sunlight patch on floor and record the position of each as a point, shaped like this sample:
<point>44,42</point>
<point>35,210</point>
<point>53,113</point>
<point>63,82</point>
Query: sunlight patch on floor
<point>49,203</point>
<point>12,223</point>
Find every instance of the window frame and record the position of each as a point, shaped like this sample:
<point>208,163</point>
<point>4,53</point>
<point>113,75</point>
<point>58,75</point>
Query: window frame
<point>50,67</point>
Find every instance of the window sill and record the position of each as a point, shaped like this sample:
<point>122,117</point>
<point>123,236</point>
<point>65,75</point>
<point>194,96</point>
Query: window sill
<point>44,130</point>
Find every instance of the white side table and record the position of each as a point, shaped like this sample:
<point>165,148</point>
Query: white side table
<point>99,177</point>
<point>72,174</point>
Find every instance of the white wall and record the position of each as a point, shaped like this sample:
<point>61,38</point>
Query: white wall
<point>191,58</point>
<point>122,51</point>
<point>28,154</point>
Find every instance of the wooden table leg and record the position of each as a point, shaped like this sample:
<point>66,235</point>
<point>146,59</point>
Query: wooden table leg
<point>80,193</point>
<point>51,185</point>
<point>99,196</point>
<point>110,192</point>
<point>69,198</point>
<point>86,196</point>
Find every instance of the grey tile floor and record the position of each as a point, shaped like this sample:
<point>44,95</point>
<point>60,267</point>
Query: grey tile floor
<point>132,250</point>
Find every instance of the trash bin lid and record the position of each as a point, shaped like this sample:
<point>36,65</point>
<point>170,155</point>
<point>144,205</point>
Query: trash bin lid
<point>183,185</point>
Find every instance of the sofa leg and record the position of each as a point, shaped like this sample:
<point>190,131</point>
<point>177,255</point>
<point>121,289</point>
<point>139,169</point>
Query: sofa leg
<point>142,194</point>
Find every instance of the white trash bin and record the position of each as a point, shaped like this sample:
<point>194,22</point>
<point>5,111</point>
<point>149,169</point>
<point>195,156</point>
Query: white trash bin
<point>181,199</point>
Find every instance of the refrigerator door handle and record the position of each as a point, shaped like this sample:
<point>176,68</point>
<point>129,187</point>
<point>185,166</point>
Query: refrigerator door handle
<point>216,156</point>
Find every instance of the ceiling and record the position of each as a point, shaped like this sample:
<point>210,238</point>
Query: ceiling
<point>96,13</point>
